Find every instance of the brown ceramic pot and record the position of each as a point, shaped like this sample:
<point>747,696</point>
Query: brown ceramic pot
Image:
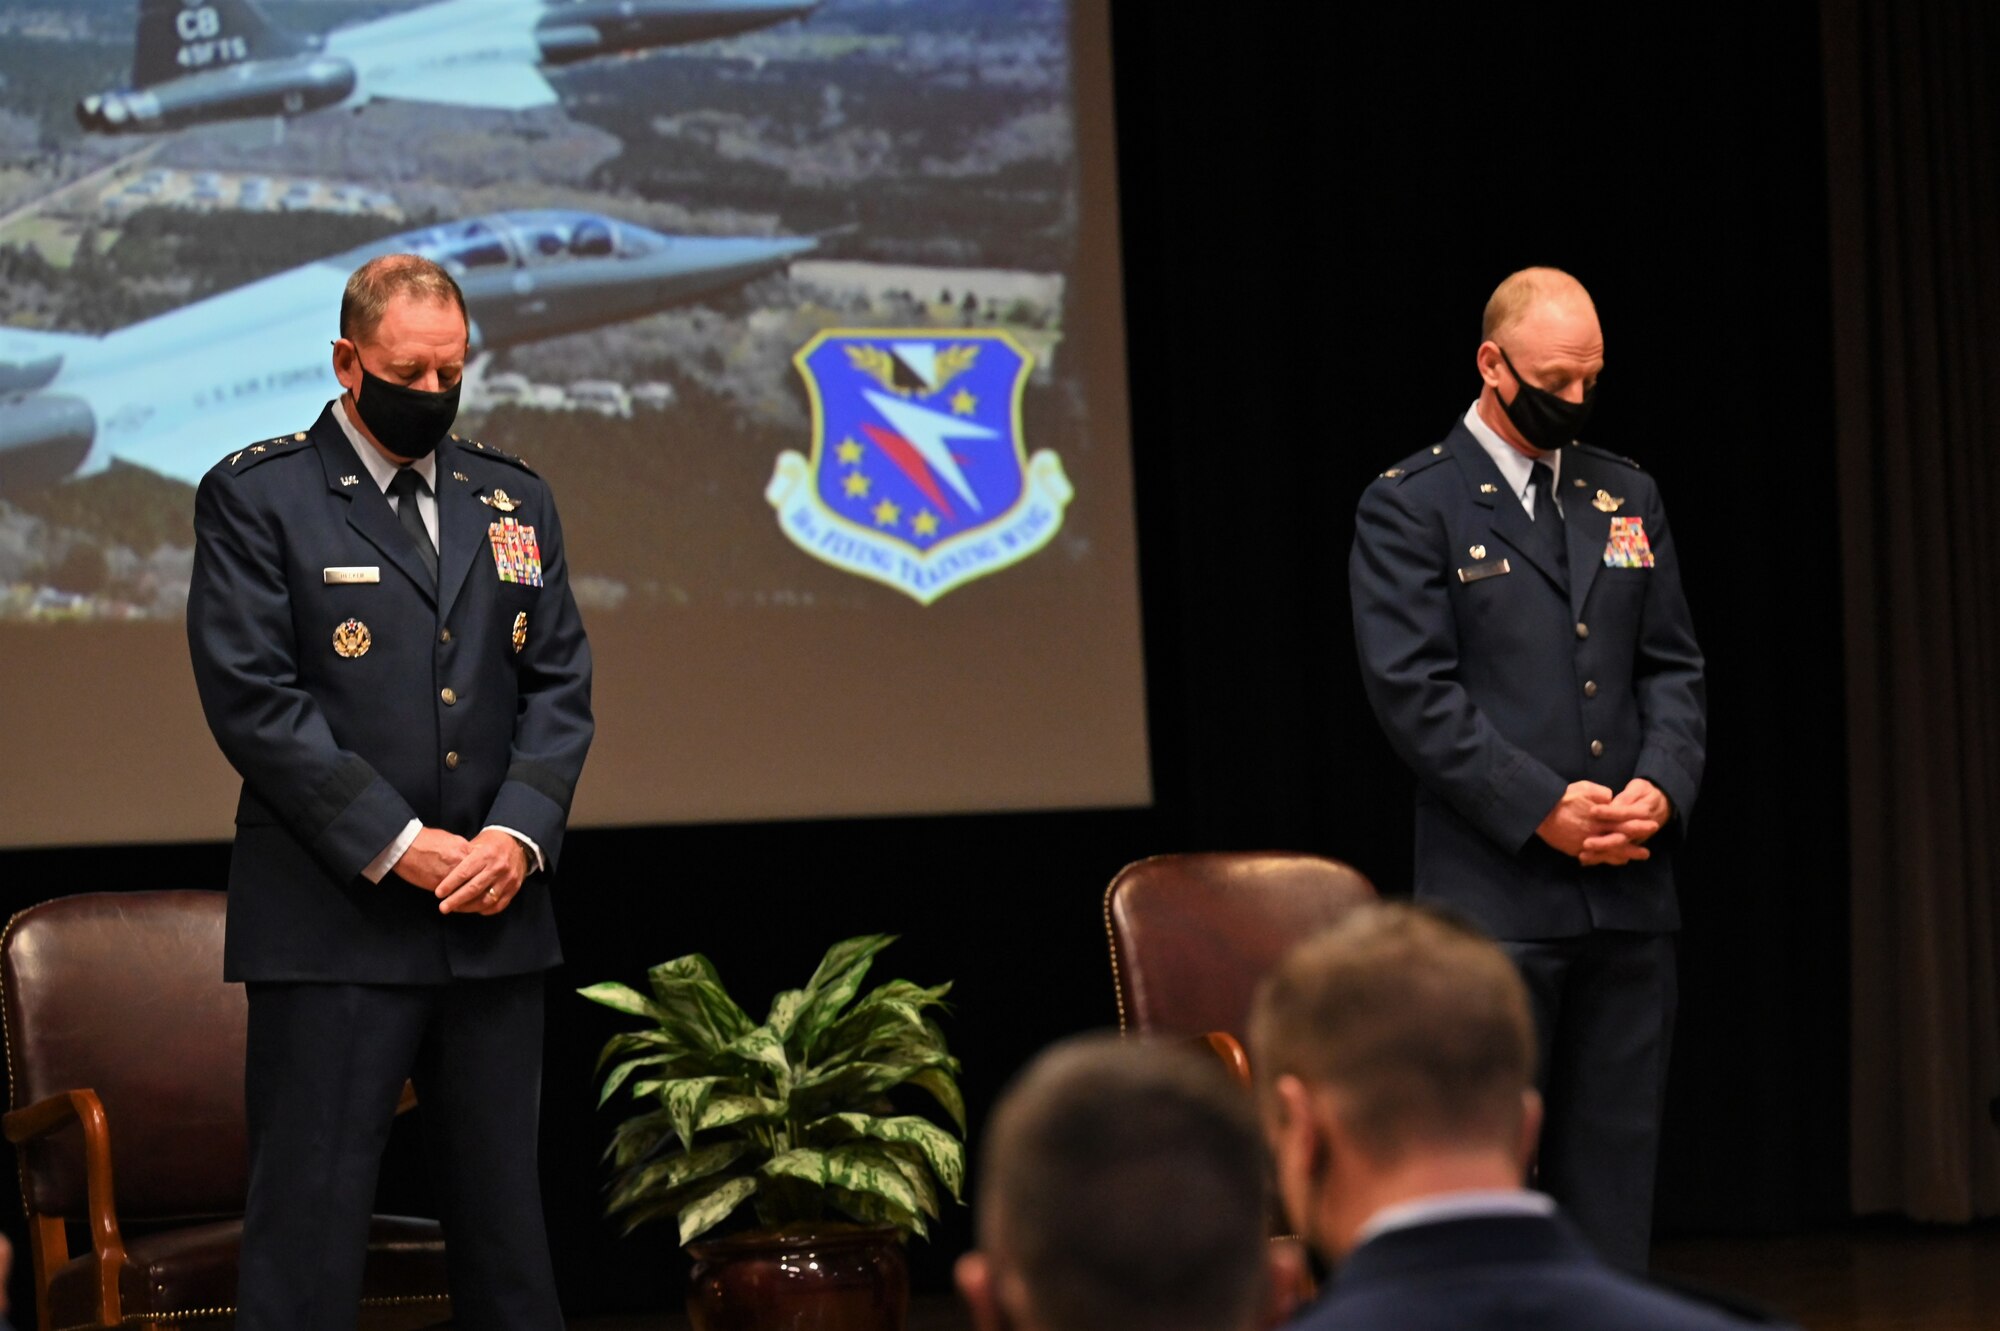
<point>825,1277</point>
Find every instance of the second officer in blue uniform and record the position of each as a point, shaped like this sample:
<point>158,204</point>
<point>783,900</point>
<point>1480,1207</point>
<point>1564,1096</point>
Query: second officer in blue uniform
<point>1526,646</point>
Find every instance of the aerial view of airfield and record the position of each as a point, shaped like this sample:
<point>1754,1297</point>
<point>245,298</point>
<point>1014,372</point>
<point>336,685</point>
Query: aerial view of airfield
<point>656,209</point>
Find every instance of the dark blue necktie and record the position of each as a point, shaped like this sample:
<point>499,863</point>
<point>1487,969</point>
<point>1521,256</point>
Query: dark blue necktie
<point>1548,522</point>
<point>405,486</point>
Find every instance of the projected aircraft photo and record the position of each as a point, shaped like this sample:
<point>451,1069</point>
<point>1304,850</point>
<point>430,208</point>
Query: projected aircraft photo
<point>201,61</point>
<point>254,361</point>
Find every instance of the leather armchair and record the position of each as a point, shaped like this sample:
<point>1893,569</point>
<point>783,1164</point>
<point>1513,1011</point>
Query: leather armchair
<point>1192,935</point>
<point>116,1016</point>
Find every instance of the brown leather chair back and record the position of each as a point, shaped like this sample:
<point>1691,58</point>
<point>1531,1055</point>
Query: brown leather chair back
<point>122,993</point>
<point>1191,935</point>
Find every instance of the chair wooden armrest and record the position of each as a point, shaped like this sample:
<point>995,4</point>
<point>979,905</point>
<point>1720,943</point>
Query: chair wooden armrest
<point>407,1100</point>
<point>52,1248</point>
<point>1230,1050</point>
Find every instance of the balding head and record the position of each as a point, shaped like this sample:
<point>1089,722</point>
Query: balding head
<point>386,277</point>
<point>1512,300</point>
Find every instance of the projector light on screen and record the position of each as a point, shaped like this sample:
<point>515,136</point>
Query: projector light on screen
<point>809,314</point>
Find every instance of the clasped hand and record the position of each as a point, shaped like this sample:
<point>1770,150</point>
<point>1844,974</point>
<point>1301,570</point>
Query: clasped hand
<point>480,876</point>
<point>1597,827</point>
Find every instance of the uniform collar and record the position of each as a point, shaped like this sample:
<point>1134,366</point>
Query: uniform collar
<point>1515,466</point>
<point>379,467</point>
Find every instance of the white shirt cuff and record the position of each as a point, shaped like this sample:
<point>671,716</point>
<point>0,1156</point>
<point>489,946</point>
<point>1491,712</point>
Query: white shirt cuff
<point>378,868</point>
<point>535,863</point>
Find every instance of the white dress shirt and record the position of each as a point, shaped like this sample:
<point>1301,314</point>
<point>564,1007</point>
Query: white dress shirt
<point>1470,1204</point>
<point>1517,467</point>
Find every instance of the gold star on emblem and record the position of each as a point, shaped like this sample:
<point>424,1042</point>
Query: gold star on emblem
<point>856,485</point>
<point>850,452</point>
<point>887,514</point>
<point>962,403</point>
<point>925,523</point>
<point>256,448</point>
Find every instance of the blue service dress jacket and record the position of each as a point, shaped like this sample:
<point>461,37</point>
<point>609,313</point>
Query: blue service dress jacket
<point>352,695</point>
<point>1497,1273</point>
<point>1500,679</point>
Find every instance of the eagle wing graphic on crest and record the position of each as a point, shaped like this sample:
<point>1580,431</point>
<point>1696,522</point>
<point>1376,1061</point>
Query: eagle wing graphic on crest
<point>954,361</point>
<point>877,364</point>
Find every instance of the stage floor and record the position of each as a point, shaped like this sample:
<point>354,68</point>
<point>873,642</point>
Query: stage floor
<point>1869,1278</point>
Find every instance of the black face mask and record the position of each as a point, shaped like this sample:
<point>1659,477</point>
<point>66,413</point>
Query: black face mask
<point>1546,421</point>
<point>408,421</point>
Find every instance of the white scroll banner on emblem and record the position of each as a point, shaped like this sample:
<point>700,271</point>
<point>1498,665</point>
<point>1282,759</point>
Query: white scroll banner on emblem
<point>832,539</point>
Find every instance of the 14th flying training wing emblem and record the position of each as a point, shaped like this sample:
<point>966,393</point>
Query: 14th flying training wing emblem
<point>919,477</point>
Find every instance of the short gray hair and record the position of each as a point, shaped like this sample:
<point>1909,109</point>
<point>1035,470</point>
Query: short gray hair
<point>383,278</point>
<point>1125,1183</point>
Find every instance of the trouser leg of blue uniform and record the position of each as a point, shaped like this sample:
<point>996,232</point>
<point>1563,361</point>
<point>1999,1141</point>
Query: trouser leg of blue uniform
<point>1604,1017</point>
<point>479,1080</point>
<point>324,1066</point>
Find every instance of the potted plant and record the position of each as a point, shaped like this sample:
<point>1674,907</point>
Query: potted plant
<point>791,1124</point>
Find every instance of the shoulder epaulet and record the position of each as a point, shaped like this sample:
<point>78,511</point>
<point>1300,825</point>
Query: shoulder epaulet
<point>489,451</point>
<point>1415,463</point>
<point>1608,455</point>
<point>242,459</point>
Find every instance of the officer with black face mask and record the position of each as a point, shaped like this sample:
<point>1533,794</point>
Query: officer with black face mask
<point>388,652</point>
<point>1526,645</point>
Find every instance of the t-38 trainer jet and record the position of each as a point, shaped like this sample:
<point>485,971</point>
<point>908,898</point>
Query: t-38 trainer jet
<point>173,393</point>
<point>201,61</point>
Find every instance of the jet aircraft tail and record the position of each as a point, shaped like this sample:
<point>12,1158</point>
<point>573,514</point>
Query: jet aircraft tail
<point>178,37</point>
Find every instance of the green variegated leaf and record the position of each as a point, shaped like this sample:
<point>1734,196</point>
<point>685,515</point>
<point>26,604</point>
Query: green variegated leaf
<point>804,1164</point>
<point>910,1161</point>
<point>663,1176</point>
<point>709,1209</point>
<point>723,1110</point>
<point>684,1100</point>
<point>698,1012</point>
<point>617,1075</point>
<point>944,1090</point>
<point>940,1150</point>
<point>637,1042</point>
<point>864,1167</point>
<point>693,966</point>
<point>835,984</point>
<point>639,1137</point>
<point>766,1050</point>
<point>872,1210</point>
<point>785,1009</point>
<point>624,998</point>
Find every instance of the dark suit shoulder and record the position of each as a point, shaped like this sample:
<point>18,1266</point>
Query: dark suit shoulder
<point>1415,463</point>
<point>1606,454</point>
<point>240,460</point>
<point>473,448</point>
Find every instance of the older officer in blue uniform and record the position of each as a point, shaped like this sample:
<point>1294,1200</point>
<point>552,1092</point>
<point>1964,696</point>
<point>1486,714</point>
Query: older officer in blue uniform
<point>1526,646</point>
<point>388,653</point>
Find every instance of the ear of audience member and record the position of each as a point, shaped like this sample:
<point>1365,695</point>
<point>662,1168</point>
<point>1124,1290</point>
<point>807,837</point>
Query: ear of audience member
<point>1121,1188</point>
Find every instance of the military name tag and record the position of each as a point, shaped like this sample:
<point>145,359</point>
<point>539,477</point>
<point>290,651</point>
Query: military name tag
<point>517,555</point>
<point>353,573</point>
<point>1492,568</point>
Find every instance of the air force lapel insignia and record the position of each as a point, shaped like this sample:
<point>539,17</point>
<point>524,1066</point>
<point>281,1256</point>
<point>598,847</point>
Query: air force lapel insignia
<point>520,630</point>
<point>500,500</point>
<point>919,476</point>
<point>1607,502</point>
<point>352,639</point>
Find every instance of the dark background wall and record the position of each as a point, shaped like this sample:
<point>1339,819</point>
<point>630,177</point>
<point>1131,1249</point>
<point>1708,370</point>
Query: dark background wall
<point>1315,207</point>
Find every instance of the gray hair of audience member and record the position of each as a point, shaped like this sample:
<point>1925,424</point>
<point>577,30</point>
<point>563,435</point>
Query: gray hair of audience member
<point>1124,1183</point>
<point>374,284</point>
<point>1417,1023</point>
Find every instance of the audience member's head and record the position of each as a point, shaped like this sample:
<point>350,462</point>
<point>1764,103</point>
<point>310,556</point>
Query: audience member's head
<point>1394,1057</point>
<point>1121,1188</point>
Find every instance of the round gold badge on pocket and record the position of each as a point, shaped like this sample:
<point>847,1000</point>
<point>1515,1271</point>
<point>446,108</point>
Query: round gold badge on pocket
<point>352,639</point>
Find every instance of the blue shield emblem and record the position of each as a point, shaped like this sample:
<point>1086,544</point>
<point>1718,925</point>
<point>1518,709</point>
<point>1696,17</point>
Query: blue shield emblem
<point>919,477</point>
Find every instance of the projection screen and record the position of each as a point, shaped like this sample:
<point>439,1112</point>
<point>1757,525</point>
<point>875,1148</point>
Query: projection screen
<point>808,312</point>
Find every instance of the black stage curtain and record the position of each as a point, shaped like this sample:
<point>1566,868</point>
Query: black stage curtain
<point>1913,118</point>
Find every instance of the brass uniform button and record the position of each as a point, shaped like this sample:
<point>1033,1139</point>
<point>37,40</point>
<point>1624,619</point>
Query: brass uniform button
<point>1597,748</point>
<point>451,760</point>
<point>1590,688</point>
<point>449,697</point>
<point>1583,630</point>
<point>444,635</point>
